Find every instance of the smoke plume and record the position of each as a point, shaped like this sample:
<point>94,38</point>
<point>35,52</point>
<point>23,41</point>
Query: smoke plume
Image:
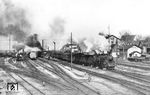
<point>18,46</point>
<point>82,44</point>
<point>57,27</point>
<point>13,21</point>
<point>97,43</point>
<point>57,32</point>
<point>32,41</point>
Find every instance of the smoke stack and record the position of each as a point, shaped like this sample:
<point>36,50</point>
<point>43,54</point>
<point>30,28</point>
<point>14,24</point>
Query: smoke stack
<point>43,44</point>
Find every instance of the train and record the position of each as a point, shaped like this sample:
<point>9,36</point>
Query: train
<point>97,60</point>
<point>33,55</point>
<point>82,58</point>
<point>78,57</point>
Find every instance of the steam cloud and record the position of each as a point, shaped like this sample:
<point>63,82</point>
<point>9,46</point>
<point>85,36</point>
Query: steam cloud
<point>32,41</point>
<point>98,43</point>
<point>57,27</point>
<point>13,21</point>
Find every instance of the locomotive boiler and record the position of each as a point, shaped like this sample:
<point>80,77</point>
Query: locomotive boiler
<point>83,58</point>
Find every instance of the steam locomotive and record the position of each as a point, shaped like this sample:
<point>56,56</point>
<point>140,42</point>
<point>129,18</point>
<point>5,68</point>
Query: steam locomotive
<point>95,60</point>
<point>78,57</point>
<point>33,55</point>
<point>28,52</point>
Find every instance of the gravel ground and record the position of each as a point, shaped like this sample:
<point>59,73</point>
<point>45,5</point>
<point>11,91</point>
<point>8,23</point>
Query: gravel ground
<point>100,85</point>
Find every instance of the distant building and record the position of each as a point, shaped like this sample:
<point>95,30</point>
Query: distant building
<point>126,42</point>
<point>135,54</point>
<point>113,41</point>
<point>6,44</point>
<point>67,48</point>
<point>146,47</point>
<point>134,51</point>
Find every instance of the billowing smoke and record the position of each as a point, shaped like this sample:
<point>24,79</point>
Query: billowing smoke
<point>57,28</point>
<point>31,44</point>
<point>18,46</point>
<point>13,21</point>
<point>57,32</point>
<point>32,41</point>
<point>82,44</point>
<point>97,43</point>
<point>61,38</point>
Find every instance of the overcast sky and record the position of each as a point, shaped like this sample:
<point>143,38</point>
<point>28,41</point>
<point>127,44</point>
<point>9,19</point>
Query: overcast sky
<point>85,17</point>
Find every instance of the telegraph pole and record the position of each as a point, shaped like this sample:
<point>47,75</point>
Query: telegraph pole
<point>43,44</point>
<point>71,51</point>
<point>109,34</point>
<point>109,29</point>
<point>9,41</point>
<point>54,45</point>
<point>54,48</point>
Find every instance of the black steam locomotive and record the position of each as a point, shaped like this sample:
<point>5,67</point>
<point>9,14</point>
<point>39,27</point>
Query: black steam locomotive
<point>32,55</point>
<point>78,57</point>
<point>95,60</point>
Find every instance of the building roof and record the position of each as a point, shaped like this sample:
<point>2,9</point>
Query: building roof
<point>108,36</point>
<point>129,45</point>
<point>135,52</point>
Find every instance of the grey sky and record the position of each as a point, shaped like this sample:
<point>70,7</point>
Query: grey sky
<point>86,17</point>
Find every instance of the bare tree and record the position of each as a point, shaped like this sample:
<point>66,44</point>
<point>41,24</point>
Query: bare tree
<point>139,38</point>
<point>147,39</point>
<point>126,36</point>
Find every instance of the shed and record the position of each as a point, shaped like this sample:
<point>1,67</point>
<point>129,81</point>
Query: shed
<point>135,54</point>
<point>134,51</point>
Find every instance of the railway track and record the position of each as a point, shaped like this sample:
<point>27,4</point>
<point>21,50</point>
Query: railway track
<point>79,86</point>
<point>142,89</point>
<point>30,88</point>
<point>135,66</point>
<point>35,73</point>
<point>137,77</point>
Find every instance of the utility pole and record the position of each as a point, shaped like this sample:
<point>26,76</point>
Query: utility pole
<point>43,44</point>
<point>109,34</point>
<point>9,29</point>
<point>9,41</point>
<point>54,45</point>
<point>109,29</point>
<point>123,52</point>
<point>54,48</point>
<point>71,50</point>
